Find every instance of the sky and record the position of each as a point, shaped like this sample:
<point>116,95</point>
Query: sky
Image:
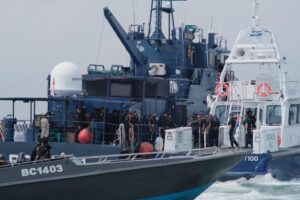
<point>35,35</point>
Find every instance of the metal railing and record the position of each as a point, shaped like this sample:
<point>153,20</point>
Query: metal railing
<point>91,160</point>
<point>103,133</point>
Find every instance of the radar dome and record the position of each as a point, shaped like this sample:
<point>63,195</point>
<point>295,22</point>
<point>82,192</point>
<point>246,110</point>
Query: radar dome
<point>65,80</point>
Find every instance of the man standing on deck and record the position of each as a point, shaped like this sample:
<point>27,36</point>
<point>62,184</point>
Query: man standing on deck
<point>216,130</point>
<point>45,127</point>
<point>194,123</point>
<point>210,131</point>
<point>232,127</point>
<point>2,159</point>
<point>249,124</point>
<point>79,120</point>
<point>163,124</point>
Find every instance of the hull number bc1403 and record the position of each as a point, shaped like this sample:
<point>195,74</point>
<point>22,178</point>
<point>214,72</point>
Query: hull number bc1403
<point>35,171</point>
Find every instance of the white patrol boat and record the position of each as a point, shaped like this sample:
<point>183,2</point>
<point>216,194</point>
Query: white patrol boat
<point>253,82</point>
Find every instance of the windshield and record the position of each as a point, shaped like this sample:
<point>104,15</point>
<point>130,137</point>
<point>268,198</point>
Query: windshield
<point>222,113</point>
<point>273,115</point>
<point>293,114</point>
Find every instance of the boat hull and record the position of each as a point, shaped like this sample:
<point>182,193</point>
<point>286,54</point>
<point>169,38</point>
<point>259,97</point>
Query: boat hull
<point>182,179</point>
<point>283,165</point>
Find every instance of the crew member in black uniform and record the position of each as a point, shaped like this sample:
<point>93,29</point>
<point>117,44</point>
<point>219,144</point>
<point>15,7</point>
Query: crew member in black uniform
<point>2,160</point>
<point>203,125</point>
<point>216,130</point>
<point>152,122</point>
<point>163,124</point>
<point>249,124</point>
<point>232,128</point>
<point>41,150</point>
<point>170,122</point>
<point>79,120</point>
<point>210,131</point>
<point>194,123</point>
<point>135,122</point>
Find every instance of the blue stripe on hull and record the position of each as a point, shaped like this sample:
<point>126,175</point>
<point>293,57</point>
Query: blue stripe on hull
<point>186,195</point>
<point>252,165</point>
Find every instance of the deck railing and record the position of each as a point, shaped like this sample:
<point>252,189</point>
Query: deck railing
<point>103,133</point>
<point>91,160</point>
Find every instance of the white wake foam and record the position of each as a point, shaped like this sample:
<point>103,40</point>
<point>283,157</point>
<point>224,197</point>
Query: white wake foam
<point>258,188</point>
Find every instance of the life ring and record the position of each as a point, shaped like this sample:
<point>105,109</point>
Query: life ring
<point>222,89</point>
<point>263,89</point>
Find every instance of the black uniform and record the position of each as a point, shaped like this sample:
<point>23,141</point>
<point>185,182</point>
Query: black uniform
<point>249,123</point>
<point>203,125</point>
<point>232,124</point>
<point>194,123</point>
<point>79,120</point>
<point>152,122</point>
<point>2,159</point>
<point>216,130</point>
<point>163,124</point>
<point>41,151</point>
<point>211,132</point>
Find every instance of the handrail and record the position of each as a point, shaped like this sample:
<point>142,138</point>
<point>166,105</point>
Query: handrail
<point>150,156</point>
<point>91,160</point>
<point>103,132</point>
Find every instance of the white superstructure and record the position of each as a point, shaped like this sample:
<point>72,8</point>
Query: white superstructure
<point>253,78</point>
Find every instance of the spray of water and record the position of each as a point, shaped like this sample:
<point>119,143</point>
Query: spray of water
<point>258,188</point>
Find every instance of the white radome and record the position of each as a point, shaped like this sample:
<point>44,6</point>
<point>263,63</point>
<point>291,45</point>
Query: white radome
<point>65,80</point>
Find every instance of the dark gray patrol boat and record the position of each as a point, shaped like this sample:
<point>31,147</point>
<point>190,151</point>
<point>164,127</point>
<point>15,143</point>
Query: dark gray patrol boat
<point>182,175</point>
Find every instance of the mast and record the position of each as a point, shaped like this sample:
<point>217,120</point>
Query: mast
<point>255,18</point>
<point>158,7</point>
<point>157,34</point>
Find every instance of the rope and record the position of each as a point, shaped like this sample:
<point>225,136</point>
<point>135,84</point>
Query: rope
<point>133,11</point>
<point>100,41</point>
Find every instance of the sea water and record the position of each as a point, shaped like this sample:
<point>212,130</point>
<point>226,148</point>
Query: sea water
<point>258,188</point>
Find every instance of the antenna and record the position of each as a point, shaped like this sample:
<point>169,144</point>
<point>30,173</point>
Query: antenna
<point>255,18</point>
<point>211,24</point>
<point>158,9</point>
<point>133,11</point>
<point>220,37</point>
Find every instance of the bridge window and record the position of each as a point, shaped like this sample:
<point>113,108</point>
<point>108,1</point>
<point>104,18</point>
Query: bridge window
<point>273,115</point>
<point>151,90</point>
<point>261,113</point>
<point>222,113</point>
<point>95,88</point>
<point>120,90</point>
<point>293,114</point>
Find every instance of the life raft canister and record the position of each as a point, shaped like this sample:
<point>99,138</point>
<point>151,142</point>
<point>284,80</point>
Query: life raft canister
<point>222,89</point>
<point>263,89</point>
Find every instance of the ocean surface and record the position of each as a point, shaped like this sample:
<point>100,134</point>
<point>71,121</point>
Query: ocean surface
<point>258,188</point>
